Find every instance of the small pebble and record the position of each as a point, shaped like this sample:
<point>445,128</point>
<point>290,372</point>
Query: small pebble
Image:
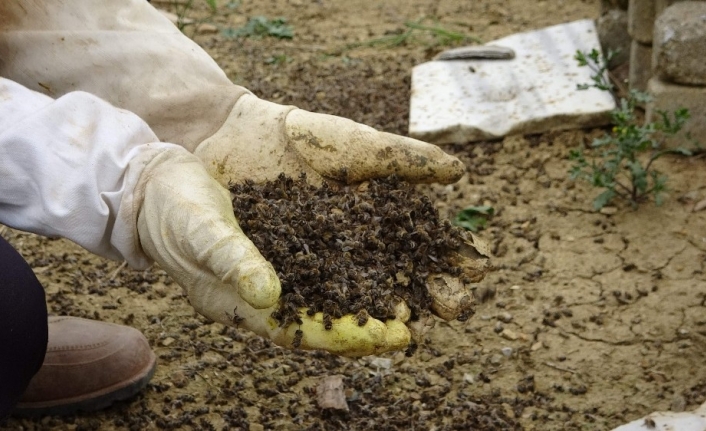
<point>179,379</point>
<point>678,404</point>
<point>505,317</point>
<point>207,29</point>
<point>700,206</point>
<point>496,360</point>
<point>506,351</point>
<point>381,363</point>
<point>168,341</point>
<point>509,335</point>
<point>330,393</point>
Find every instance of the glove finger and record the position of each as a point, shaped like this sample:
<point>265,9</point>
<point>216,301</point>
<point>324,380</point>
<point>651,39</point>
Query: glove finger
<point>235,261</point>
<point>343,150</point>
<point>451,296</point>
<point>345,337</point>
<point>189,228</point>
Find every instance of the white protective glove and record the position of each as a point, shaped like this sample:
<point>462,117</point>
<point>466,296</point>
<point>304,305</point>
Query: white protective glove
<point>165,78</point>
<point>79,168</point>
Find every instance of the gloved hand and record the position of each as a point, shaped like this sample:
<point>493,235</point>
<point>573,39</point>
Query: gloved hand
<point>186,224</point>
<point>259,140</point>
<point>225,276</point>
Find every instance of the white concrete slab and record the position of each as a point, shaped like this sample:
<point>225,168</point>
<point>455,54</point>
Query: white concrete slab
<point>470,100</point>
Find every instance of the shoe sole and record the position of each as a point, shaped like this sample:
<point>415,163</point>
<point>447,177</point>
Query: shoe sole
<point>90,402</point>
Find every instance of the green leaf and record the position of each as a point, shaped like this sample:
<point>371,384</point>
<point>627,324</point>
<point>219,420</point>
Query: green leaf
<point>580,58</point>
<point>639,97</point>
<point>260,26</point>
<point>683,151</point>
<point>474,218</point>
<point>603,199</point>
<point>212,4</point>
<point>612,53</point>
<point>599,65</point>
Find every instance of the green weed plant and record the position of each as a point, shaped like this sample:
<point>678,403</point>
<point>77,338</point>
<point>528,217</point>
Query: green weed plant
<point>622,162</point>
<point>440,35</point>
<point>260,26</point>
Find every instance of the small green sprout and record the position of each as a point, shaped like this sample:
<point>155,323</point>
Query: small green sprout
<point>260,26</point>
<point>474,218</point>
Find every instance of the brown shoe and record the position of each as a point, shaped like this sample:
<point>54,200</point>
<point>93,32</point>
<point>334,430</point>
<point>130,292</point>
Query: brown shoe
<point>88,366</point>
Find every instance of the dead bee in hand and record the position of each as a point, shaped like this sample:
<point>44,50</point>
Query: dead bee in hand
<point>328,322</point>
<point>362,317</point>
<point>347,251</point>
<point>297,341</point>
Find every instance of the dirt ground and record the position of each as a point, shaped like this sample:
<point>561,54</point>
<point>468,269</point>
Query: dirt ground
<point>590,319</point>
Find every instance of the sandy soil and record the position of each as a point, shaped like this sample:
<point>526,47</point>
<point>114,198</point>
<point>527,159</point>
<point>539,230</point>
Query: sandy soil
<point>589,320</point>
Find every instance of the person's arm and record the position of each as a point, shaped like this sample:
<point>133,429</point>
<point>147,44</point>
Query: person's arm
<point>68,168</point>
<point>123,51</point>
<point>79,168</point>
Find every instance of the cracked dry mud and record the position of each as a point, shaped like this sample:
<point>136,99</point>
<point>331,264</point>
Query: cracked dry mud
<point>590,320</point>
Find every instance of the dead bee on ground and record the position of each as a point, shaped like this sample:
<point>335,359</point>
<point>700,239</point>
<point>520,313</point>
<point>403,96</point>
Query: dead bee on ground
<point>411,349</point>
<point>465,315</point>
<point>297,341</point>
<point>234,318</point>
<point>650,423</point>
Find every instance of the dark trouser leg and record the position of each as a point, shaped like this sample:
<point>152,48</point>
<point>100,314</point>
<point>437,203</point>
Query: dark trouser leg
<point>23,326</point>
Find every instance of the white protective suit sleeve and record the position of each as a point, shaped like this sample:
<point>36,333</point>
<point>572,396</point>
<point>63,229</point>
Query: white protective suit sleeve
<point>123,51</point>
<point>69,168</point>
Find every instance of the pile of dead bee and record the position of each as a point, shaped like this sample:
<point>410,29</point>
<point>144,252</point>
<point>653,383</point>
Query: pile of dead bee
<point>348,250</point>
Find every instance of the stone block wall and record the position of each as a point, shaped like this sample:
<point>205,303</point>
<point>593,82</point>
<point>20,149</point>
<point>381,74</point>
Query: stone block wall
<point>641,18</point>
<point>666,41</point>
<point>678,73</point>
